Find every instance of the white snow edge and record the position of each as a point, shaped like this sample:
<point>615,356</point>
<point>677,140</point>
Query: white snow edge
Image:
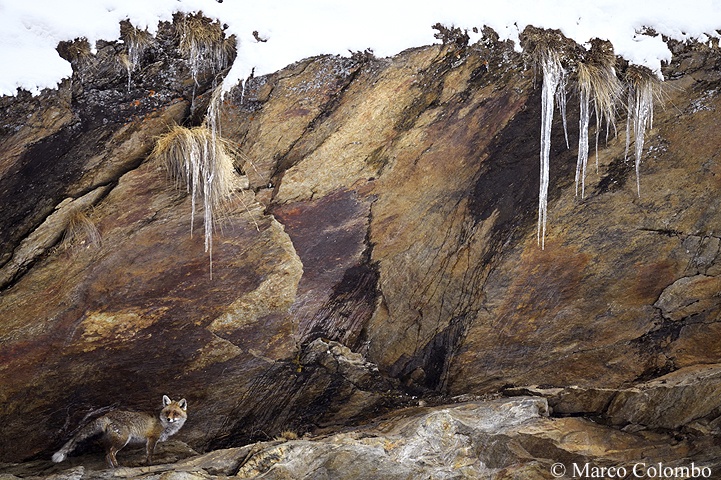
<point>30,31</point>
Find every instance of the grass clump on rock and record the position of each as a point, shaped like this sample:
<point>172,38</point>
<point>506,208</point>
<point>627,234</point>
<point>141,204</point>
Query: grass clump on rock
<point>642,85</point>
<point>80,230</point>
<point>205,45</point>
<point>597,81</point>
<point>204,165</point>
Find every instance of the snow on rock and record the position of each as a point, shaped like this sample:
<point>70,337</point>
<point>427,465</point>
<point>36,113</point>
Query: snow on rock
<point>30,31</point>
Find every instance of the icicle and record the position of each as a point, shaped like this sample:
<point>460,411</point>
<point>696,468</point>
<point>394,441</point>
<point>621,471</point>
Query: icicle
<point>628,122</point>
<point>129,67</point>
<point>643,118</point>
<point>552,74</point>
<point>209,177</point>
<point>195,162</point>
<point>137,41</point>
<point>133,59</point>
<point>640,112</point>
<point>583,142</point>
<point>212,119</point>
<point>561,98</point>
<point>599,118</point>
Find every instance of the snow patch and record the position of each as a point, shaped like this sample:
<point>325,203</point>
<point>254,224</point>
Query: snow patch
<point>30,31</point>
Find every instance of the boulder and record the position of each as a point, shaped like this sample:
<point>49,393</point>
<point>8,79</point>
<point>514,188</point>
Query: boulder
<point>670,401</point>
<point>572,400</point>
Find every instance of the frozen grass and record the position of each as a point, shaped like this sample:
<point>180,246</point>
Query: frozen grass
<point>593,70</point>
<point>136,41</point>
<point>202,163</point>
<point>643,86</point>
<point>205,45</point>
<point>597,81</point>
<point>546,48</point>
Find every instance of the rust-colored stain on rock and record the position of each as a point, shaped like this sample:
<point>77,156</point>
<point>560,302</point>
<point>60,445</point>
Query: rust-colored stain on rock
<point>546,281</point>
<point>652,279</point>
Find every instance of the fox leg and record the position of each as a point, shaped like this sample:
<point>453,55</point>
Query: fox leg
<point>115,440</point>
<point>150,448</point>
<point>110,458</point>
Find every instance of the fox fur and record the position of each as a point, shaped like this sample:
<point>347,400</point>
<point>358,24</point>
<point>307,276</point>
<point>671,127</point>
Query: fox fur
<point>119,429</point>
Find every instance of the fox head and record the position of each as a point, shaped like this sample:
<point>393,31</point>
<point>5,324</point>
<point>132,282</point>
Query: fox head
<point>173,412</point>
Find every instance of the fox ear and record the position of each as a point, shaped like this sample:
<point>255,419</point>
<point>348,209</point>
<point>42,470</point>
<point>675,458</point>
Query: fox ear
<point>183,404</point>
<point>166,401</point>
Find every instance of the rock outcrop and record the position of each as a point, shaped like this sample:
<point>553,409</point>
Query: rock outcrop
<point>498,439</point>
<point>385,249</point>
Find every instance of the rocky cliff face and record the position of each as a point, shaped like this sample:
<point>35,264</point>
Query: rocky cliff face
<point>385,248</point>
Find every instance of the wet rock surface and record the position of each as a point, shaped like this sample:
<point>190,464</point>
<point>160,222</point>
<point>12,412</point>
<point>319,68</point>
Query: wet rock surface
<point>385,253</point>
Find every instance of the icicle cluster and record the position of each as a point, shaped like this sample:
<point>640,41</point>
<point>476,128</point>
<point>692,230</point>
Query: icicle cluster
<point>597,83</point>
<point>640,112</point>
<point>205,45</point>
<point>136,42</point>
<point>133,58</point>
<point>561,99</point>
<point>582,141</point>
<point>198,159</point>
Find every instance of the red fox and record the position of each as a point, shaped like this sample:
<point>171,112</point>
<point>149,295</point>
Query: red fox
<point>119,429</point>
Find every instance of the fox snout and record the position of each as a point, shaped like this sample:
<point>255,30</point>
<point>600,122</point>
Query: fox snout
<point>173,417</point>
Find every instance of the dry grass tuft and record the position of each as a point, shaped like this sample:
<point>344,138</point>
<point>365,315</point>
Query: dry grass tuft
<point>597,76</point>
<point>197,28</point>
<point>136,42</point>
<point>131,33</point>
<point>81,231</point>
<point>203,163</point>
<point>204,43</point>
<point>75,51</point>
<point>597,80</point>
<point>642,77</point>
<point>543,45</point>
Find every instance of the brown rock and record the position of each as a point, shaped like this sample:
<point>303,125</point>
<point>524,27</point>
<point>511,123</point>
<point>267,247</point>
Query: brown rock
<point>571,400</point>
<point>670,401</point>
<point>690,296</point>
